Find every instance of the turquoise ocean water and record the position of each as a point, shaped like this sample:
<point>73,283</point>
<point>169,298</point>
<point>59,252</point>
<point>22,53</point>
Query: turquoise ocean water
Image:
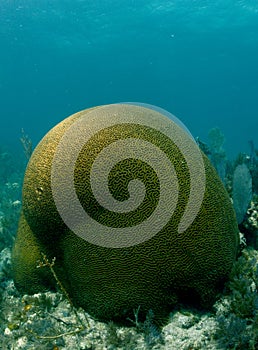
<point>198,59</point>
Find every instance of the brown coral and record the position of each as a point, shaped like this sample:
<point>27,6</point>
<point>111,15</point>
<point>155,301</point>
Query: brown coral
<point>112,281</point>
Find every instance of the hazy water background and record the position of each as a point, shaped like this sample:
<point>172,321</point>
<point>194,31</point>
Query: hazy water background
<point>197,59</point>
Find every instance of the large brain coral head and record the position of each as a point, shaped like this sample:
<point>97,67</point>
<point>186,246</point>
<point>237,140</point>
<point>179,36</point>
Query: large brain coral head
<point>133,211</point>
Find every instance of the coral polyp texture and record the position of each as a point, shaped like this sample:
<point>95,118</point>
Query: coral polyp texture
<point>132,211</point>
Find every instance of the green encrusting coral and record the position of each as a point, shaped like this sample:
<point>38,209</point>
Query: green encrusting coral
<point>111,283</point>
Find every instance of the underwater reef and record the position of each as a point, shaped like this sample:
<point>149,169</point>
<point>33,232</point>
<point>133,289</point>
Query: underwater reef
<point>50,320</point>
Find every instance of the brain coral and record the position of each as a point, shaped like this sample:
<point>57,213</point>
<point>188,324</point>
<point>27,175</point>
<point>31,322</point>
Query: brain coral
<point>133,211</point>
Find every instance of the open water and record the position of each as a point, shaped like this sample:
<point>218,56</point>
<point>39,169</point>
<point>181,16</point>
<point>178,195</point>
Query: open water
<point>196,58</point>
